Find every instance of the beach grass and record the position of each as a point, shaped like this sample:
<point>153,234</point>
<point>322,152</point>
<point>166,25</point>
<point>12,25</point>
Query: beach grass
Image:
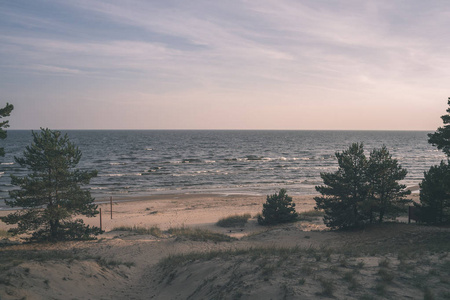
<point>154,230</point>
<point>11,259</point>
<point>310,215</point>
<point>197,234</point>
<point>234,221</point>
<point>329,276</point>
<point>4,233</point>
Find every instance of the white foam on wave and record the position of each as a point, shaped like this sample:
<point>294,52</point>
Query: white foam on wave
<point>8,163</point>
<point>120,175</point>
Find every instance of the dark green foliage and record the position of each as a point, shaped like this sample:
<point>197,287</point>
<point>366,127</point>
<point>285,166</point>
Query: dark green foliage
<point>278,208</point>
<point>4,112</point>
<point>441,138</point>
<point>345,190</point>
<point>386,195</point>
<point>51,193</point>
<point>434,204</point>
<point>362,190</point>
<point>435,195</point>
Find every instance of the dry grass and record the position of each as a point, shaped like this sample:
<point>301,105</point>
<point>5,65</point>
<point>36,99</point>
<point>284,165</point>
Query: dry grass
<point>331,272</point>
<point>4,234</point>
<point>197,234</point>
<point>234,221</point>
<point>154,230</point>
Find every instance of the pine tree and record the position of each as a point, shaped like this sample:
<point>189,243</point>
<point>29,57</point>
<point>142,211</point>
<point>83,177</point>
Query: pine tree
<point>51,193</point>
<point>434,204</point>
<point>278,208</point>
<point>362,190</point>
<point>441,138</point>
<point>386,196</point>
<point>4,112</point>
<point>435,195</point>
<point>344,191</point>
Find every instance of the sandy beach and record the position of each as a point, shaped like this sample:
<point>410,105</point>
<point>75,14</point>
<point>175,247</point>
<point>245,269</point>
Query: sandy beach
<point>301,260</point>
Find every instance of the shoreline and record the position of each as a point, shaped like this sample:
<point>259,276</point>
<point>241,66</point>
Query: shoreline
<point>415,189</point>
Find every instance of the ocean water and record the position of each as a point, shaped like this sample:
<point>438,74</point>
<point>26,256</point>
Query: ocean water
<point>145,162</point>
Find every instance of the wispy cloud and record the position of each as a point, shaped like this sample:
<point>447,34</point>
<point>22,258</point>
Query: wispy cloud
<point>292,52</point>
<point>54,69</point>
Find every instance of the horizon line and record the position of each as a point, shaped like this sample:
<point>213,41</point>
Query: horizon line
<point>215,129</point>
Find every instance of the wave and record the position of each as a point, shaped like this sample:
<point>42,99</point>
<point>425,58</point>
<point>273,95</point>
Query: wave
<point>191,160</point>
<point>120,175</point>
<point>254,157</point>
<point>7,164</point>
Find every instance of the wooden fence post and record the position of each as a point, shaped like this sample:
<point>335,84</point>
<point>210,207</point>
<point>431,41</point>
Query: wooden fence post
<point>100,219</point>
<point>110,201</point>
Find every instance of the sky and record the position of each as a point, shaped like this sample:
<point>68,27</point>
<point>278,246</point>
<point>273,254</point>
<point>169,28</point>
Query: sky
<point>232,64</point>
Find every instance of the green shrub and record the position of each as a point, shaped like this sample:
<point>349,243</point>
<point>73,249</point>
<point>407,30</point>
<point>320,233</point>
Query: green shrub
<point>278,208</point>
<point>234,221</point>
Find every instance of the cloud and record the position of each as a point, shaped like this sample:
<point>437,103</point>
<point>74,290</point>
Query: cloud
<point>290,52</point>
<point>54,69</point>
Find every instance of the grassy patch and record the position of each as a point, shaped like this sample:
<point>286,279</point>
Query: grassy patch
<point>35,255</point>
<point>407,243</point>
<point>428,294</point>
<point>311,214</point>
<point>197,234</point>
<point>385,275</point>
<point>154,230</point>
<point>380,288</point>
<point>10,259</point>
<point>253,253</point>
<point>327,287</point>
<point>326,277</point>
<point>4,233</point>
<point>113,263</point>
<point>234,221</point>
<point>384,263</point>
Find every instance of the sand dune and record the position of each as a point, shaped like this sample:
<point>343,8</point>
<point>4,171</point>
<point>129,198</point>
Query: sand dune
<point>301,260</point>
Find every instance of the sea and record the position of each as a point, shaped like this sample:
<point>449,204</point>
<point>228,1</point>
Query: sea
<point>258,162</point>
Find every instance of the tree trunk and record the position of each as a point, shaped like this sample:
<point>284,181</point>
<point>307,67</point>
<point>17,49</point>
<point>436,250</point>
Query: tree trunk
<point>381,216</point>
<point>54,224</point>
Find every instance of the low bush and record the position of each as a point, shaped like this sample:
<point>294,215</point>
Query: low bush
<point>278,208</point>
<point>234,221</point>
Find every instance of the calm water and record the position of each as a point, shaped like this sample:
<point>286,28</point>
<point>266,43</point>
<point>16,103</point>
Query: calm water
<point>132,163</point>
